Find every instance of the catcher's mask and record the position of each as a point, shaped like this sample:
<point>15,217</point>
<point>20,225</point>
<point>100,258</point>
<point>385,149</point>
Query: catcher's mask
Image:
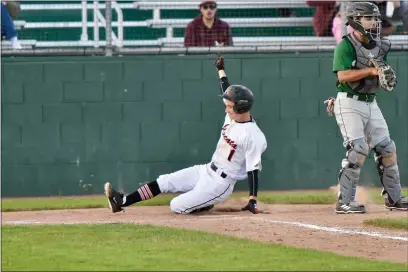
<point>241,96</point>
<point>355,13</point>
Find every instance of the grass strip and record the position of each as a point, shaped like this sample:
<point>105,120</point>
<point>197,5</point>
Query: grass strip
<point>389,223</point>
<point>114,247</point>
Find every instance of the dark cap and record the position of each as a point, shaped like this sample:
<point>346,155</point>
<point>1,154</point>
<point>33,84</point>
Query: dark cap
<point>207,3</point>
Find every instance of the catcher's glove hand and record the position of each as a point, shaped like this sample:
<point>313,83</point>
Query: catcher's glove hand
<point>386,75</point>
<point>251,206</point>
<point>330,105</point>
<point>219,63</point>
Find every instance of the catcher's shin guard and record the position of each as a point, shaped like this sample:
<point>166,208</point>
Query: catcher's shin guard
<point>386,162</point>
<point>348,179</point>
<point>349,175</point>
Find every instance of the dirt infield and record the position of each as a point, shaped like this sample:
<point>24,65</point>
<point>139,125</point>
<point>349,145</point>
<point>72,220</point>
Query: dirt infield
<point>308,226</point>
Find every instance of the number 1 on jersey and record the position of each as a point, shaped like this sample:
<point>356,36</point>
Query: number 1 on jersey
<point>231,154</point>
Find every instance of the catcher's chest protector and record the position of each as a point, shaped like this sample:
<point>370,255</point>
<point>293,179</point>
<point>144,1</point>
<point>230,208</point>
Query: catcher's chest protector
<point>363,57</point>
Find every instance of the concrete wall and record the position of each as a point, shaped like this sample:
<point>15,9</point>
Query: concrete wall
<point>70,124</point>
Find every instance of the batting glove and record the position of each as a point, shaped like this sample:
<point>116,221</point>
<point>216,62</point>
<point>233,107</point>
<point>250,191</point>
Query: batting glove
<point>251,206</point>
<point>219,63</point>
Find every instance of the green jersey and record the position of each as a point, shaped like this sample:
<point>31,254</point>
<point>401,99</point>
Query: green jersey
<point>344,59</point>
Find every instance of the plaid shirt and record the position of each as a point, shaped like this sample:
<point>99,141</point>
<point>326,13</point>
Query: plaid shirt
<point>198,34</point>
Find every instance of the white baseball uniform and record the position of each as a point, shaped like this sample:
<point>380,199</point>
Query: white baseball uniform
<point>359,119</point>
<point>239,150</point>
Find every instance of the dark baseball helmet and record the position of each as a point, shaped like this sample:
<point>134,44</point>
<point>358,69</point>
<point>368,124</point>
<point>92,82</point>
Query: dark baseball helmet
<point>356,10</point>
<point>241,96</point>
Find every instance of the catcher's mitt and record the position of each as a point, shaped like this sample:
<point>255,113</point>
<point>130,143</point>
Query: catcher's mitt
<point>386,75</point>
<point>219,63</point>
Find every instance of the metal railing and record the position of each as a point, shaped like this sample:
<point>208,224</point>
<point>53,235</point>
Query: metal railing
<point>114,43</point>
<point>99,20</point>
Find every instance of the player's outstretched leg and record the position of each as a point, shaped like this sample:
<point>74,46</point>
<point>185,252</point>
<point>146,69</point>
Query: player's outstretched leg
<point>180,181</point>
<point>357,150</point>
<point>117,200</point>
<point>386,161</point>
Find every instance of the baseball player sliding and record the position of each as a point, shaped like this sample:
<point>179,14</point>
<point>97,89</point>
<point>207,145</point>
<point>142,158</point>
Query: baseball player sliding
<point>360,64</point>
<point>236,157</point>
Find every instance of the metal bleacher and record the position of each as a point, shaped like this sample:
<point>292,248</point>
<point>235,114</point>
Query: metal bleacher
<point>148,23</point>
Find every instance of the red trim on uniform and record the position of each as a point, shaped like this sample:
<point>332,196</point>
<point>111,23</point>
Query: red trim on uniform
<point>141,194</point>
<point>145,192</point>
<point>146,187</point>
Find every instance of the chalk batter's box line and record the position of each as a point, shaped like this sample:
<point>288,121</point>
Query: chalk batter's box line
<point>387,236</point>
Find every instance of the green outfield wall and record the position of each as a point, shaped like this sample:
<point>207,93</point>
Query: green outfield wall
<point>71,123</point>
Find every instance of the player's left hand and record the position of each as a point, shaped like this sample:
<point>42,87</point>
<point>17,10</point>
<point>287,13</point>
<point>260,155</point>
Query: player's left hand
<point>219,63</point>
<point>251,206</point>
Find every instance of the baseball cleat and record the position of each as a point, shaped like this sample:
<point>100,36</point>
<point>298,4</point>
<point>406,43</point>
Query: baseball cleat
<point>353,207</point>
<point>356,203</point>
<point>400,205</point>
<point>115,199</point>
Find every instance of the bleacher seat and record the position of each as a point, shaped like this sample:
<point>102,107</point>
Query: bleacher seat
<point>191,5</point>
<point>45,24</point>
<point>237,22</point>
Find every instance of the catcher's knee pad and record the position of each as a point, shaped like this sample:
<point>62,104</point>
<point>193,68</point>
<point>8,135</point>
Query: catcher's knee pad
<point>386,152</point>
<point>357,151</point>
<point>386,161</point>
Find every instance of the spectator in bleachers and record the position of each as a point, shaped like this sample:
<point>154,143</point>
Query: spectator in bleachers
<point>325,11</point>
<point>7,27</point>
<point>401,13</point>
<point>337,28</point>
<point>387,27</point>
<point>13,7</point>
<point>207,29</point>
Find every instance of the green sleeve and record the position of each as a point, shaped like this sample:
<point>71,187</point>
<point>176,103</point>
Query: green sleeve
<point>343,56</point>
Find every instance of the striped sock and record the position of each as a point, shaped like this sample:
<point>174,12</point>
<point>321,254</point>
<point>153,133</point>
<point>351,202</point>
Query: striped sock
<point>145,192</point>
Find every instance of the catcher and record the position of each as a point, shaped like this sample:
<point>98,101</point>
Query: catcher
<point>360,65</point>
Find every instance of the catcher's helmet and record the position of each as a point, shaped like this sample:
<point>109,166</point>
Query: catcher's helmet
<point>241,96</point>
<point>356,10</point>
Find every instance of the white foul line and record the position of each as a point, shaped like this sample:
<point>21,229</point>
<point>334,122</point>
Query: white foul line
<point>231,217</point>
<point>315,227</point>
<point>338,230</point>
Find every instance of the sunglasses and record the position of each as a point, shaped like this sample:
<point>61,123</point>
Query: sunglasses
<point>209,6</point>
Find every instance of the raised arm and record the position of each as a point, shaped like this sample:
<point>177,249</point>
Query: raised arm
<point>219,64</point>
